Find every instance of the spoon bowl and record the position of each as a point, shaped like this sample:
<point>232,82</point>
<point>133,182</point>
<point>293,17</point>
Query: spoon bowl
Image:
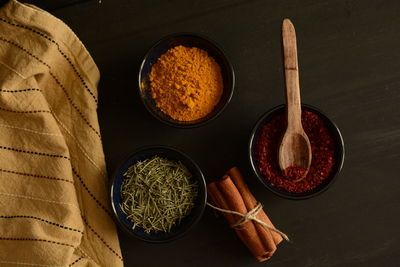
<point>298,143</point>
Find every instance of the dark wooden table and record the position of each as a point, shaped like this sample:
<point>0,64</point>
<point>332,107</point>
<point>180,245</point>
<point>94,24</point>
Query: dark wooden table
<point>349,56</point>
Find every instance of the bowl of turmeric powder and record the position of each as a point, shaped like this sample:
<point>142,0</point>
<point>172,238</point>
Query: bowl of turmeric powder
<point>185,80</point>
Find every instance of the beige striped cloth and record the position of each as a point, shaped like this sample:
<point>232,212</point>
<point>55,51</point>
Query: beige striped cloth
<point>54,208</point>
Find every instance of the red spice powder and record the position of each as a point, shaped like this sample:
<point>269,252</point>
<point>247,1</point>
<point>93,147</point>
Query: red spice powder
<point>295,173</point>
<point>322,148</point>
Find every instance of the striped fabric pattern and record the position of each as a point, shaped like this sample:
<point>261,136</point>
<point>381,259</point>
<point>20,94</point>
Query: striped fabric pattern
<point>54,208</point>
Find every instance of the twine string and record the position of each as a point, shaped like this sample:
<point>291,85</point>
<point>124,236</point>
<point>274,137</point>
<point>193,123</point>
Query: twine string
<point>251,215</point>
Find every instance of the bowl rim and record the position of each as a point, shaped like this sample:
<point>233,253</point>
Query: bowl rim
<point>202,183</point>
<point>230,70</point>
<point>341,150</point>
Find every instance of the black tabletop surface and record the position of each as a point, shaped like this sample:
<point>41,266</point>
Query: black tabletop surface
<point>349,58</point>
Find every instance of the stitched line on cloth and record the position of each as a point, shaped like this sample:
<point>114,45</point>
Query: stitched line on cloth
<point>19,90</point>
<point>40,219</point>
<point>13,70</point>
<point>29,264</point>
<point>34,152</point>
<point>86,255</point>
<point>78,259</point>
<point>74,105</point>
<point>49,177</point>
<point>90,193</point>
<point>102,240</point>
<point>59,50</point>
<point>77,142</point>
<point>37,176</point>
<point>36,239</point>
<point>57,81</point>
<point>29,130</point>
<point>45,13</point>
<point>25,111</point>
<point>39,199</point>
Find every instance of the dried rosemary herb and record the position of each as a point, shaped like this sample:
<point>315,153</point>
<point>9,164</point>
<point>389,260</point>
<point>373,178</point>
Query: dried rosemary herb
<point>157,194</point>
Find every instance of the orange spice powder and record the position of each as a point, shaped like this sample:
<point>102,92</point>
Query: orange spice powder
<point>186,83</point>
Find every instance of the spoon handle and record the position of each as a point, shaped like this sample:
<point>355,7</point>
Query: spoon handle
<point>291,76</point>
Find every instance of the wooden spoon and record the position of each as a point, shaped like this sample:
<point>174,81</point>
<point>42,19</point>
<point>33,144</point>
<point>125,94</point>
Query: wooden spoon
<point>295,148</point>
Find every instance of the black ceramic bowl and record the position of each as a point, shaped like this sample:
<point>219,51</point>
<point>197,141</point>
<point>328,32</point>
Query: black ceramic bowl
<point>339,153</point>
<point>188,40</point>
<point>187,223</point>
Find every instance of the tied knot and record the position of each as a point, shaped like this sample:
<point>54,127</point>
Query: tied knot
<point>251,215</point>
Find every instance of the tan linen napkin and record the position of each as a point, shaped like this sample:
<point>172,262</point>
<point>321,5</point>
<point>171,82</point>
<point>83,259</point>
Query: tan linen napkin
<point>54,208</point>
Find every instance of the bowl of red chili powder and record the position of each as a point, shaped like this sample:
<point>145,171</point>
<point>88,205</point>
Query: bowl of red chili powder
<point>327,148</point>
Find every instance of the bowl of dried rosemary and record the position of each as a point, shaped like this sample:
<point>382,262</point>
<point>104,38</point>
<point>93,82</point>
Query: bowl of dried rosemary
<point>158,194</point>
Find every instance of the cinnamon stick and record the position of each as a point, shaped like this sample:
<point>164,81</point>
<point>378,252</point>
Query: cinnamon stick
<point>231,193</point>
<point>235,202</point>
<point>217,199</point>
<point>250,203</point>
<point>263,233</point>
<point>249,238</point>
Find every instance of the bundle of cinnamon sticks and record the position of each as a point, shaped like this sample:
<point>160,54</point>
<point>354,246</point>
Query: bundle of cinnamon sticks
<point>232,194</point>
